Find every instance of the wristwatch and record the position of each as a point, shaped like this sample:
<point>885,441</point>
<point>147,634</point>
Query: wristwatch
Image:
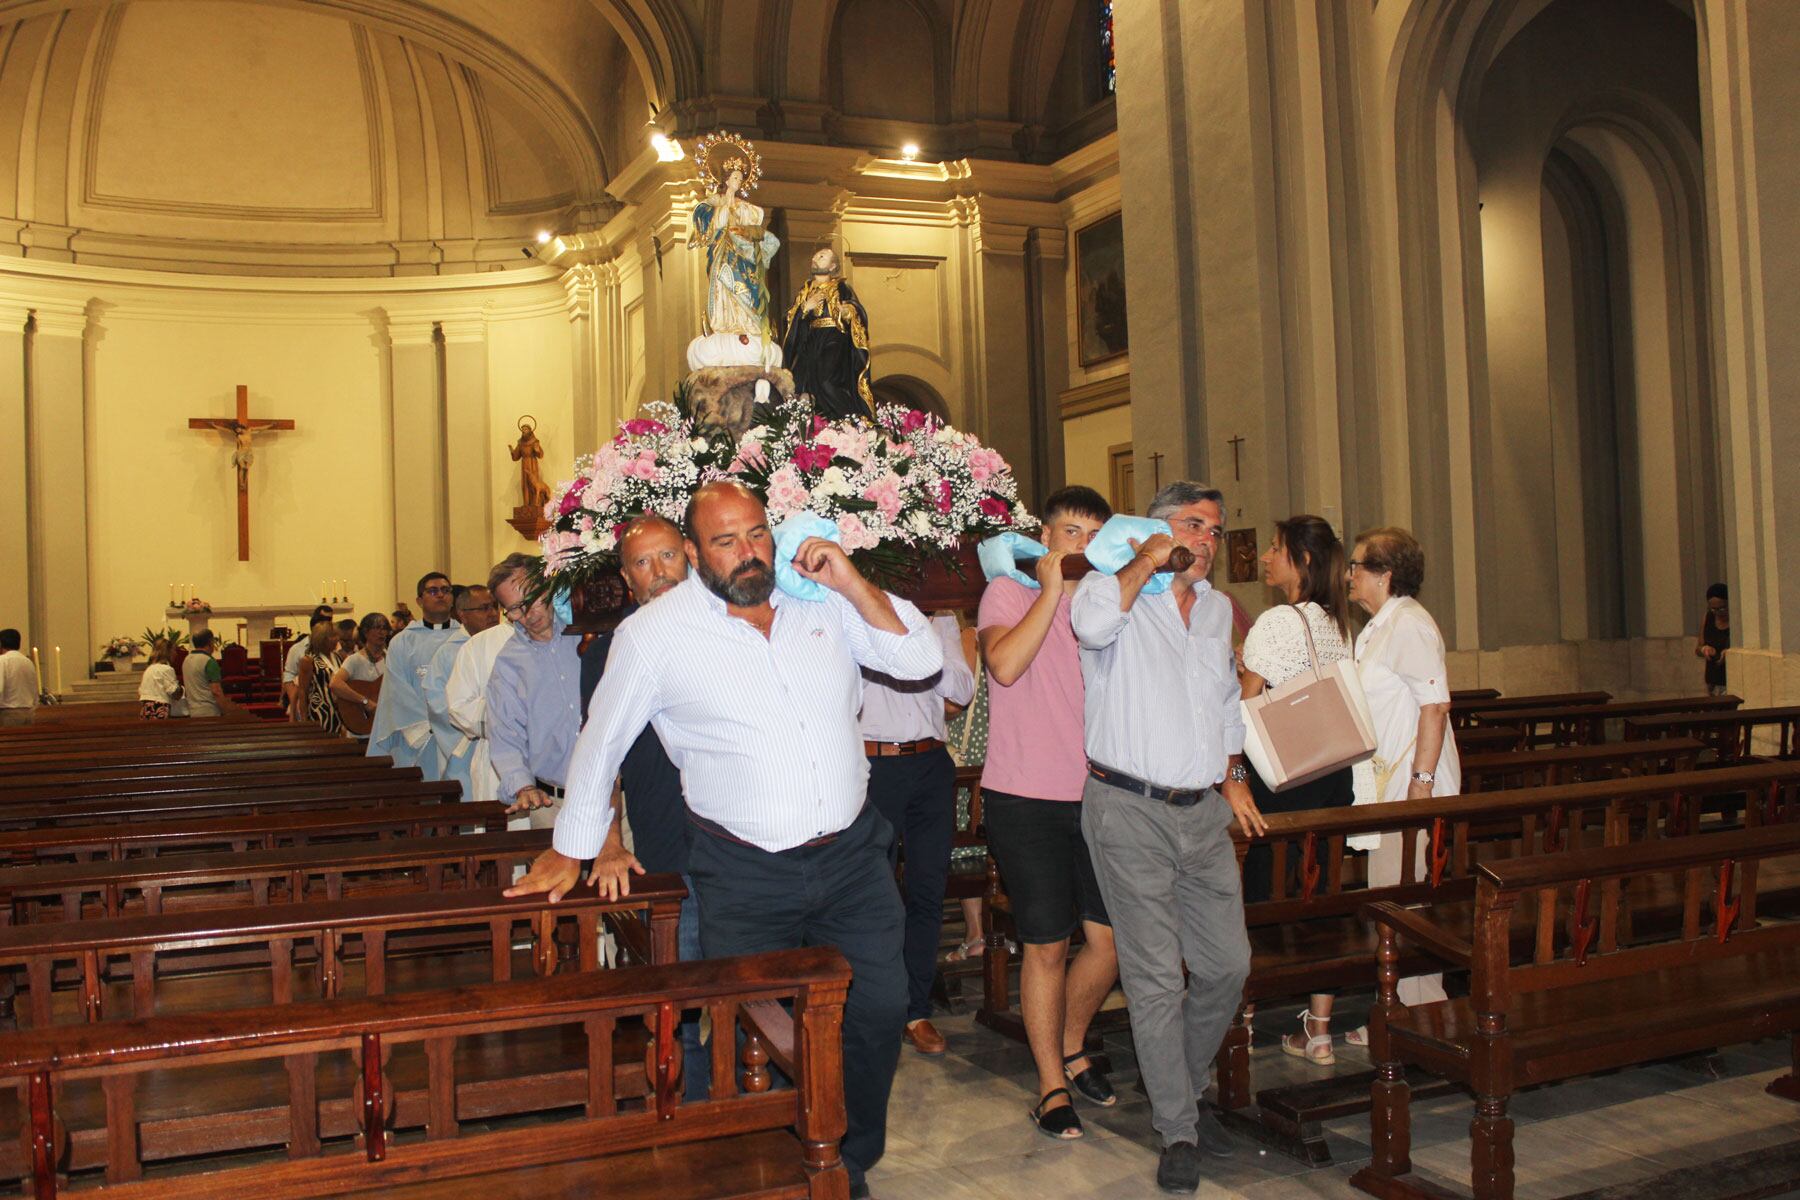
<point>1424,777</point>
<point>1238,773</point>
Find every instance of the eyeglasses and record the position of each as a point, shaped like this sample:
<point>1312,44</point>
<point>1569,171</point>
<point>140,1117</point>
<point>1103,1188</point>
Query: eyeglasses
<point>513,612</point>
<point>1197,526</point>
<point>437,590</point>
<point>1357,563</point>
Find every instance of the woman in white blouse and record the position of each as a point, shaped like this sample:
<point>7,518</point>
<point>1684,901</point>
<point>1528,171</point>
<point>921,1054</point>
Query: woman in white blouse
<point>158,689</point>
<point>1305,563</point>
<point>1400,659</point>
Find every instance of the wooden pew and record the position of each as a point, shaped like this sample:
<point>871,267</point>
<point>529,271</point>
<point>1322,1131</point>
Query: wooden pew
<point>1585,724</point>
<point>181,882</point>
<point>370,1069</point>
<point>250,772</point>
<point>1498,739</point>
<point>1312,934</point>
<point>150,732</point>
<point>131,759</point>
<point>267,831</point>
<point>1587,1000</point>
<point>112,712</point>
<point>1467,694</point>
<point>225,777</point>
<point>1576,764</point>
<point>1730,735</point>
<point>356,793</point>
<point>1464,708</point>
<point>325,935</point>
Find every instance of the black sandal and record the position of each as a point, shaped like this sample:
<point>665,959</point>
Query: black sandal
<point>1059,1123</point>
<point>1090,1083</point>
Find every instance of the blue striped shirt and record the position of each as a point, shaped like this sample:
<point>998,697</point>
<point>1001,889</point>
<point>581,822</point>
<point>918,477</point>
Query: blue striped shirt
<point>763,730</point>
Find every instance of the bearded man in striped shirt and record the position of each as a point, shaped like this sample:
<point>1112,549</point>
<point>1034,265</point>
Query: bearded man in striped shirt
<point>754,694</point>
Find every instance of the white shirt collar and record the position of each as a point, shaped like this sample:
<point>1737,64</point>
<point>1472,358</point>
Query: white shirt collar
<point>1386,612</point>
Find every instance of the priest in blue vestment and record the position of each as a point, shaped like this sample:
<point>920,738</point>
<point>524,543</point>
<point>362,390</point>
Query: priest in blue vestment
<point>402,727</point>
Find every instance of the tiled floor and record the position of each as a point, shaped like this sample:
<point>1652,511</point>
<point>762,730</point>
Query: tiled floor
<point>958,1130</point>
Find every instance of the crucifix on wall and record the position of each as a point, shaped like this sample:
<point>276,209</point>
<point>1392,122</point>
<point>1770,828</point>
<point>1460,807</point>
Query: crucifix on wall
<point>1236,443</point>
<point>242,430</point>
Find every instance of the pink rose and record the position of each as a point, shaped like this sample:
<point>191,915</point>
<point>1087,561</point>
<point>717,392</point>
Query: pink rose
<point>985,463</point>
<point>993,506</point>
<point>885,492</point>
<point>818,423</point>
<point>644,467</point>
<point>855,535</point>
<point>915,421</point>
<point>572,498</point>
<point>641,426</point>
<point>946,498</point>
<point>560,546</point>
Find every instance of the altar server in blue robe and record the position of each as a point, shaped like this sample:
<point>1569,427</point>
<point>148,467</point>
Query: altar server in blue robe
<point>402,727</point>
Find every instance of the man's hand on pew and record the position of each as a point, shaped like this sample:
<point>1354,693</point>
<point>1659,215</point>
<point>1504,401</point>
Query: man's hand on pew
<point>528,799</point>
<point>614,868</point>
<point>550,872</point>
<point>1243,807</point>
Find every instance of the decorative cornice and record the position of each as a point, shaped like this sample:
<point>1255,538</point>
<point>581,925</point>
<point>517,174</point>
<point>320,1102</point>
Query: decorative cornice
<point>1112,392</point>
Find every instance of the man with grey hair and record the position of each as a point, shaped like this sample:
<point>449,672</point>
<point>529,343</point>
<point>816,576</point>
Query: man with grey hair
<point>1166,778</point>
<point>533,699</point>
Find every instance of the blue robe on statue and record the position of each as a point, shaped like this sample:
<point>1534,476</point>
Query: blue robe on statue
<point>455,748</point>
<point>402,727</point>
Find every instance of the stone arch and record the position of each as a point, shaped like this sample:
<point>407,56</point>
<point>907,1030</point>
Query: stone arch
<point>935,41</point>
<point>912,392</point>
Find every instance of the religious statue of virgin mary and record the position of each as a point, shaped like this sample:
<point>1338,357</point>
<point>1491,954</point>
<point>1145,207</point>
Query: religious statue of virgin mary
<point>731,231</point>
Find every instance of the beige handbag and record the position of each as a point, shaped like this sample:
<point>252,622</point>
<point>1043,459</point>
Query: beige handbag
<point>1315,723</point>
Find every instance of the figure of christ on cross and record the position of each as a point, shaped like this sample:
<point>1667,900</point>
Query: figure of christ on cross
<point>242,429</point>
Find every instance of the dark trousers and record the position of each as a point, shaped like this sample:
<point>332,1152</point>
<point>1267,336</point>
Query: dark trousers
<point>839,894</point>
<point>917,795</point>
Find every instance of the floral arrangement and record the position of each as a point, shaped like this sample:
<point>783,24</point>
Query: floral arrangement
<point>197,605</point>
<point>119,647</point>
<point>900,490</point>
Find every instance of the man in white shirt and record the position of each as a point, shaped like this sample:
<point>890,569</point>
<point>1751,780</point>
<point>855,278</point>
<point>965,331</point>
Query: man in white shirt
<point>754,695</point>
<point>1166,778</point>
<point>465,697</point>
<point>18,681</point>
<point>476,612</point>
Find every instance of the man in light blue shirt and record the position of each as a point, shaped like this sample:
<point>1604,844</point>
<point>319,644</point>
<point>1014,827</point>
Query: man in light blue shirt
<point>533,699</point>
<point>402,725</point>
<point>475,611</point>
<point>1166,778</point>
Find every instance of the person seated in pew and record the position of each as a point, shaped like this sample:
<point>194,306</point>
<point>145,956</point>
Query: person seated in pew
<point>465,692</point>
<point>913,783</point>
<point>1166,779</point>
<point>402,728</point>
<point>367,664</point>
<point>202,689</point>
<point>1031,788</point>
<point>1406,679</point>
<point>1305,563</point>
<point>476,612</point>
<point>159,690</point>
<point>652,563</point>
<point>313,703</point>
<point>533,699</point>
<point>754,694</point>
<point>290,666</point>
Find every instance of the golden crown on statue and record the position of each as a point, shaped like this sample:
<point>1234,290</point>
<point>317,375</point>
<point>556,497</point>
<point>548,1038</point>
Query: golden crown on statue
<point>717,155</point>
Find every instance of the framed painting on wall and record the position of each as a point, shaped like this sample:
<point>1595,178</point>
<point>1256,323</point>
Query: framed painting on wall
<point>1100,290</point>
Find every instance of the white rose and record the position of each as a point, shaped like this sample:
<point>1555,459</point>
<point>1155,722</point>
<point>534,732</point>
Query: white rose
<point>921,524</point>
<point>698,444</point>
<point>832,483</point>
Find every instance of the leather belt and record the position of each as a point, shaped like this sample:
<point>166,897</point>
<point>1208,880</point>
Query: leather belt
<point>890,749</point>
<point>550,789</point>
<point>1179,797</point>
<point>723,834</point>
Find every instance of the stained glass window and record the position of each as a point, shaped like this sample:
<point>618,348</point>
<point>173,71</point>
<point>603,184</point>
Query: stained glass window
<point>1109,70</point>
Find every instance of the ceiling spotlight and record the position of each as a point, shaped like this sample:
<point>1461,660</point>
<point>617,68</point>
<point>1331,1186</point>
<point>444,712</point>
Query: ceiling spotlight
<point>667,148</point>
<point>543,237</point>
<point>909,151</point>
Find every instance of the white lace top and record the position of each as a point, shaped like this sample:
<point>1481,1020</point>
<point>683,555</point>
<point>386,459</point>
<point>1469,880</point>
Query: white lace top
<point>1275,647</point>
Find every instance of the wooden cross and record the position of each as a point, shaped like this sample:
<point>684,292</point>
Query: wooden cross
<point>1235,443</point>
<point>242,429</point>
<point>1156,470</point>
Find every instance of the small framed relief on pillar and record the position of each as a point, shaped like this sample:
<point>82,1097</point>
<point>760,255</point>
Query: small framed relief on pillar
<point>1240,555</point>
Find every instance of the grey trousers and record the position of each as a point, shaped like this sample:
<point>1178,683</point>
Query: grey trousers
<point>1170,880</point>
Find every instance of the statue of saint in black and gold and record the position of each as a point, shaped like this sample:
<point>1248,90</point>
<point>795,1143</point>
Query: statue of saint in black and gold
<point>827,344</point>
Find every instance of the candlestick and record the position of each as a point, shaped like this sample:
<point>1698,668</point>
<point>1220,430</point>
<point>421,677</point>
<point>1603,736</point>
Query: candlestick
<point>171,595</point>
<point>56,657</point>
<point>37,666</point>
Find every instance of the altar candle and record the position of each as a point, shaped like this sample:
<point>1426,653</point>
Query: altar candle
<point>171,594</point>
<point>37,665</point>
<point>56,652</point>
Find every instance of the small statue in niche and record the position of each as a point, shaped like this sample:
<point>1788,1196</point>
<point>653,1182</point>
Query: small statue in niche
<point>528,452</point>
<point>827,344</point>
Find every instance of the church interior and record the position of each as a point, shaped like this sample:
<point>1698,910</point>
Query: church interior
<point>304,300</point>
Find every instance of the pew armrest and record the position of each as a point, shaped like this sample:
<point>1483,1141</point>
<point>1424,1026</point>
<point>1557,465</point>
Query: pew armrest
<point>1415,926</point>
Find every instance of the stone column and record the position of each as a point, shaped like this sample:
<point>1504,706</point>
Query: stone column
<point>470,515</point>
<point>1046,278</point>
<point>580,290</point>
<point>1750,103</point>
<point>56,505</point>
<point>15,535</point>
<point>416,439</point>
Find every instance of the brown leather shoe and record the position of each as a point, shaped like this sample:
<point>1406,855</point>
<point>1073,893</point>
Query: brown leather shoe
<point>925,1038</point>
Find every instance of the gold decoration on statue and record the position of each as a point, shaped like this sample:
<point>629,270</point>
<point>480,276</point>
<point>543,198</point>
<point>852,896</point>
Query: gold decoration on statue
<point>718,154</point>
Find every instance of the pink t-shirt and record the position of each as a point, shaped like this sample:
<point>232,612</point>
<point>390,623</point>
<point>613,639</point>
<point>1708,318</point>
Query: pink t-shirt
<point>1035,726</point>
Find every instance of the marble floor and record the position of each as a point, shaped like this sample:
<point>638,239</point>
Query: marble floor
<point>958,1129</point>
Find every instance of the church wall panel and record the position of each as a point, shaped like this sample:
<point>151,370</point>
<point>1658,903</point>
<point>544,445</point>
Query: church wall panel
<point>15,557</point>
